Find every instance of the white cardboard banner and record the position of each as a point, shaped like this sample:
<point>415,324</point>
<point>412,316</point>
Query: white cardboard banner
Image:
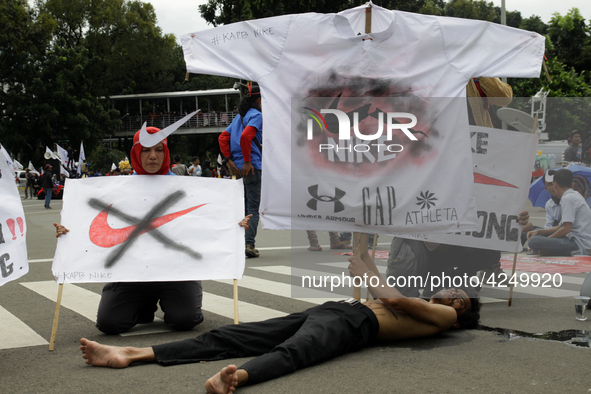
<point>501,182</point>
<point>373,185</point>
<point>150,228</point>
<point>14,262</point>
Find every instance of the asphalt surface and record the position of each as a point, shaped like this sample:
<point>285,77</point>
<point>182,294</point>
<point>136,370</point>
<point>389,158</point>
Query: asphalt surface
<point>481,361</point>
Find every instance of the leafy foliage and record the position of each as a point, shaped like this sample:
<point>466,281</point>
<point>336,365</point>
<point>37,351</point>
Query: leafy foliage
<point>569,103</point>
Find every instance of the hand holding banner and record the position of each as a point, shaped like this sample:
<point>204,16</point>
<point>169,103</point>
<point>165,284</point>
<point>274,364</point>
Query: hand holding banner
<point>150,228</point>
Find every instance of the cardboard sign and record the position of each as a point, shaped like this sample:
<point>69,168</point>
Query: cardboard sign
<point>150,228</point>
<point>14,262</point>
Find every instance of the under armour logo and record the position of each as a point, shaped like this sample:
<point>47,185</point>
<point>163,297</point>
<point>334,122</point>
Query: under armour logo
<point>338,194</point>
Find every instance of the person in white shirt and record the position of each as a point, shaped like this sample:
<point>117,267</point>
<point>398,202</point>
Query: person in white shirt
<point>553,211</point>
<point>195,169</point>
<point>573,235</point>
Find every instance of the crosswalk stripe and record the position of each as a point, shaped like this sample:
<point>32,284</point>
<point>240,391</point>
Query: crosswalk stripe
<point>82,301</point>
<point>85,303</point>
<point>274,269</point>
<point>246,312</point>
<point>345,266</point>
<point>15,333</point>
<point>281,289</point>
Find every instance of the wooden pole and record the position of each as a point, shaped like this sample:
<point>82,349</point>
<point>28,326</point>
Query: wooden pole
<point>368,19</point>
<point>510,300</point>
<point>56,316</point>
<point>546,71</point>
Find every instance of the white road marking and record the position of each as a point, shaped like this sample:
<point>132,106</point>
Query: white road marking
<point>15,333</point>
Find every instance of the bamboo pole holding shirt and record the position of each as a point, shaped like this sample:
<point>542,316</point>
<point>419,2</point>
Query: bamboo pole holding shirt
<point>360,240</point>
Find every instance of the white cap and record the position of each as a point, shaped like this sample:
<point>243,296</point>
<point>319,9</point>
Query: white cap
<point>549,177</point>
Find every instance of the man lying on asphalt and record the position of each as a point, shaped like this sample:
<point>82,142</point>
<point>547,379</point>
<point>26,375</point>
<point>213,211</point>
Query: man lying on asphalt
<point>283,345</point>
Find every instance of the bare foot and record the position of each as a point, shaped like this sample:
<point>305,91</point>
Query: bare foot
<point>224,382</point>
<point>103,355</point>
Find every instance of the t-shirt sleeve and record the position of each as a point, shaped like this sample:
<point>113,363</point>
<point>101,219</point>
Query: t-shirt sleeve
<point>486,49</point>
<point>256,121</point>
<point>549,218</point>
<point>245,50</point>
<point>568,209</point>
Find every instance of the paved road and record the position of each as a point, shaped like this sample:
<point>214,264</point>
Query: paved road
<point>455,362</point>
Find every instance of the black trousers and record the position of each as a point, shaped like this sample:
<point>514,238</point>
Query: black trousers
<point>283,345</point>
<point>125,304</point>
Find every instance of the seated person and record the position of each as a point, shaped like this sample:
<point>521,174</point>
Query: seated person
<point>286,344</point>
<point>553,211</point>
<point>573,235</point>
<point>417,260</point>
<point>125,304</point>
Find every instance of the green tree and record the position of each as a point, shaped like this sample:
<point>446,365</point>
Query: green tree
<point>62,60</point>
<point>534,23</point>
<point>222,12</point>
<point>469,9</point>
<point>23,42</point>
<point>569,103</point>
<point>570,36</point>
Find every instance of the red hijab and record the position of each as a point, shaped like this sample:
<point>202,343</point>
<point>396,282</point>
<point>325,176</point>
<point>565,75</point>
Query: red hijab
<point>136,151</point>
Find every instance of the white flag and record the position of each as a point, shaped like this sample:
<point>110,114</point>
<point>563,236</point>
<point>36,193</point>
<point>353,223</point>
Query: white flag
<point>14,262</point>
<point>150,228</point>
<point>32,168</point>
<point>64,171</point>
<point>81,159</point>
<point>113,167</point>
<point>5,157</point>
<point>63,154</point>
<point>16,165</point>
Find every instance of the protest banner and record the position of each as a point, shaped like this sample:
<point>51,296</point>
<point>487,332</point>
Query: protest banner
<point>14,262</point>
<point>150,228</point>
<point>501,182</point>
<point>343,179</point>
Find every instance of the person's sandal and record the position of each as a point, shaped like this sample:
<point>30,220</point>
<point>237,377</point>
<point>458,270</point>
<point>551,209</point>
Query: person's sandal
<point>315,248</point>
<point>340,245</point>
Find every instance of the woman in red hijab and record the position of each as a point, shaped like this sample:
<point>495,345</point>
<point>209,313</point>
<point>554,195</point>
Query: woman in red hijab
<point>150,161</point>
<point>125,304</point>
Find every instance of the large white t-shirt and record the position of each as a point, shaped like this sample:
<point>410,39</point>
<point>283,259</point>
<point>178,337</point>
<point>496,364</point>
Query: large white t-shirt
<point>576,211</point>
<point>426,186</point>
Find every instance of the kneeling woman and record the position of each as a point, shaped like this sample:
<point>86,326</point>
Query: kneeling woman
<point>125,304</point>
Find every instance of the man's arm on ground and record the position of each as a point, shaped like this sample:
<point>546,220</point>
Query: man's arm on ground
<point>544,231</point>
<point>440,316</point>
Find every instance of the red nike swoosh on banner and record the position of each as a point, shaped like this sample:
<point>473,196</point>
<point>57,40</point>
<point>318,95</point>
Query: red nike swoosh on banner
<point>103,235</point>
<point>486,180</point>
